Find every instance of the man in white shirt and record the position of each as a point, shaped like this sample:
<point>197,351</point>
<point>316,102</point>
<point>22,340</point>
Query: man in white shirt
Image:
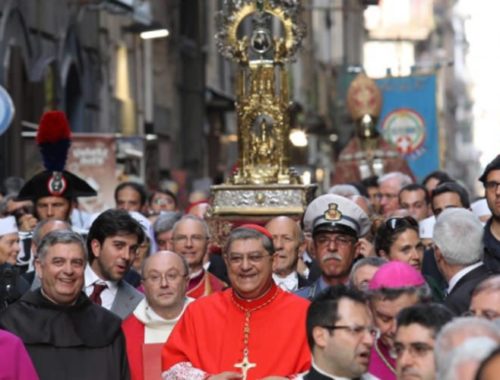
<point>112,244</point>
<point>288,241</point>
<point>458,251</point>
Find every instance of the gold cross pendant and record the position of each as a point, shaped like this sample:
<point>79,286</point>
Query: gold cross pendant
<point>245,366</point>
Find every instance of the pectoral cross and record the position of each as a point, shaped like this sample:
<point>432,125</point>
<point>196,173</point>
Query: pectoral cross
<point>245,366</point>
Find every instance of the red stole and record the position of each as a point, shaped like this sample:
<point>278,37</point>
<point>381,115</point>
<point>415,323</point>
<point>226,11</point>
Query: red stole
<point>134,339</point>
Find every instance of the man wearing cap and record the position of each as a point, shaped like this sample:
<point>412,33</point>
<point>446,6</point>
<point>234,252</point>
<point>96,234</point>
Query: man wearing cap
<point>395,286</point>
<point>253,331</point>
<point>491,181</point>
<point>52,190</point>
<point>12,286</point>
<point>336,223</point>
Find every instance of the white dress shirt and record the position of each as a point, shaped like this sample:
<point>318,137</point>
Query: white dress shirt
<point>108,295</point>
<point>289,283</point>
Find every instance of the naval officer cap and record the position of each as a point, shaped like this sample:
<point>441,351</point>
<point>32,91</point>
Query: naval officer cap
<point>333,213</point>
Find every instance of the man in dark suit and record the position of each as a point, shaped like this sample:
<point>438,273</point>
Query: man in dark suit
<point>458,250</point>
<point>288,240</point>
<point>112,244</point>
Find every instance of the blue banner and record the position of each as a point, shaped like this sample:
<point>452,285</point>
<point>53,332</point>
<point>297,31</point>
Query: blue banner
<point>408,120</point>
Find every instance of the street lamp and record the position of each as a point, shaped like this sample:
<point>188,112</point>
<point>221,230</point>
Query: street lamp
<point>154,33</point>
<point>298,137</point>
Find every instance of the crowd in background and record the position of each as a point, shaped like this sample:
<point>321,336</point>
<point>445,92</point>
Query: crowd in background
<point>403,280</point>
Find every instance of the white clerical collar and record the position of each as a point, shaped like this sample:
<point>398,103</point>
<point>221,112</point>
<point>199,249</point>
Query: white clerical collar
<point>195,274</point>
<point>329,375</point>
<point>91,278</point>
<point>145,313</point>
<point>288,283</point>
<point>461,273</point>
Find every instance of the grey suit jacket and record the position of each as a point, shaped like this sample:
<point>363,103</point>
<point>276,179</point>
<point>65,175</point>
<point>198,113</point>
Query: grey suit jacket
<point>126,300</point>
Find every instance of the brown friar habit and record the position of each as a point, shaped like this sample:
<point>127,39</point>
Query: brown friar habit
<point>82,341</point>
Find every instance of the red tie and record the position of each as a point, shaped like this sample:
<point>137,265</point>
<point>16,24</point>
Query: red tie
<point>95,297</point>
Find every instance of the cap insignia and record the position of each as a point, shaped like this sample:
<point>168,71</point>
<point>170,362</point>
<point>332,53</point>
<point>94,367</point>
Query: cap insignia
<point>57,184</point>
<point>333,213</point>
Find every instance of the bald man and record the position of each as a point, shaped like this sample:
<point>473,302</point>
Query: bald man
<point>165,279</point>
<point>288,240</point>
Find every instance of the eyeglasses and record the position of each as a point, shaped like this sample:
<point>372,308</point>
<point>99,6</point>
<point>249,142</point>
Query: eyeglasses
<point>394,224</point>
<point>356,330</point>
<point>417,349</point>
<point>488,314</point>
<point>156,278</point>
<point>195,239</point>
<point>236,260</point>
<point>340,241</point>
<point>491,185</point>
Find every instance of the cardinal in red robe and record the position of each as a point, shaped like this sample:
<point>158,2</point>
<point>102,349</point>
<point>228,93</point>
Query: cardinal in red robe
<point>251,331</point>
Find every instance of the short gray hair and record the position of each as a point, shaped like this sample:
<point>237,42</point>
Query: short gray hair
<point>36,237</point>
<point>196,219</point>
<point>243,233</point>
<point>372,261</point>
<point>403,179</point>
<point>456,332</point>
<point>473,350</point>
<point>60,237</point>
<point>491,284</point>
<point>458,234</point>
<point>165,222</point>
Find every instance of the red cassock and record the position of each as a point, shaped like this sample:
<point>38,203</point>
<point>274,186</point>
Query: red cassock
<point>210,335</point>
<point>134,338</point>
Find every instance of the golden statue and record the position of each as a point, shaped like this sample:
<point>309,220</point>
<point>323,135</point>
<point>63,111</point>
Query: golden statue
<point>262,86</point>
<point>263,185</point>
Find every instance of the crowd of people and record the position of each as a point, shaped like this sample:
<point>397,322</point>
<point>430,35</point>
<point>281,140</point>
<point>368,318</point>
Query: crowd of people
<point>382,279</point>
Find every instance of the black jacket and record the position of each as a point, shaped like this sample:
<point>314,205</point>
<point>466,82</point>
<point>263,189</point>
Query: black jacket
<point>459,299</point>
<point>82,341</point>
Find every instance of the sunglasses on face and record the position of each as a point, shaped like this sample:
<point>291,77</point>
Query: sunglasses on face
<point>394,224</point>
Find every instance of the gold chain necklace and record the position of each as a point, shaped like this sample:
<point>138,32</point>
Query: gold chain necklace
<point>245,365</point>
<point>386,362</point>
